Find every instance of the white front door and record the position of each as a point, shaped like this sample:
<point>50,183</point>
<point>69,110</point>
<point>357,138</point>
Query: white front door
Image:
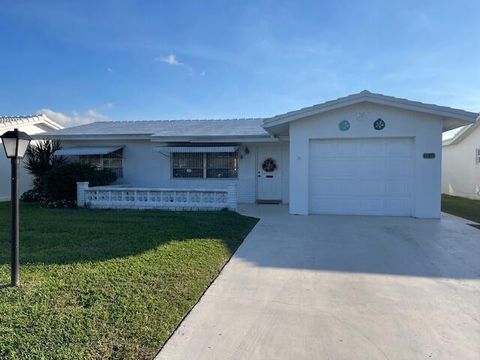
<point>269,181</point>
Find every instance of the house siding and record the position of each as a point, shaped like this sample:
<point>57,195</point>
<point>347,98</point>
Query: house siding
<point>145,167</point>
<point>26,179</point>
<point>425,130</point>
<point>460,173</point>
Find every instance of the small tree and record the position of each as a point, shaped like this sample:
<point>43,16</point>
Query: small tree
<point>40,158</point>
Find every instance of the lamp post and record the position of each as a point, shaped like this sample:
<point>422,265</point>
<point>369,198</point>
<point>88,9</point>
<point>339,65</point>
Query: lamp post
<point>15,144</point>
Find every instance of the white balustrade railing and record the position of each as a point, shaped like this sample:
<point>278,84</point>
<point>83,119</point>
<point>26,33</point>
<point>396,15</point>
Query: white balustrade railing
<point>111,197</point>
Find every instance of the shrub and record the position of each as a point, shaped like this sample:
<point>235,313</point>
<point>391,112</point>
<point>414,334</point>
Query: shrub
<point>40,158</point>
<point>30,196</point>
<point>60,182</point>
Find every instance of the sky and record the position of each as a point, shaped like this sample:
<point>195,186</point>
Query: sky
<point>89,61</point>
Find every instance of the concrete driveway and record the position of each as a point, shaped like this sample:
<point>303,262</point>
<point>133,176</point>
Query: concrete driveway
<point>341,287</point>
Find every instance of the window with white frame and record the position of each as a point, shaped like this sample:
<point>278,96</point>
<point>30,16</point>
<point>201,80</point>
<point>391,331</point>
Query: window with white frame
<point>112,161</point>
<point>477,156</point>
<point>219,165</point>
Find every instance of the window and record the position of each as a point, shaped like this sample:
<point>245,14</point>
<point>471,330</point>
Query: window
<point>112,161</point>
<point>477,156</point>
<point>187,165</point>
<point>222,165</point>
<point>205,165</point>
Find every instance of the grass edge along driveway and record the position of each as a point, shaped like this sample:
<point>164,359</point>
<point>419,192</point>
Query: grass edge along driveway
<point>465,208</point>
<point>101,284</point>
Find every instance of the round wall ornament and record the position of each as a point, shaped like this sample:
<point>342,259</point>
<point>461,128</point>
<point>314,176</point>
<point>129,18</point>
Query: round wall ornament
<point>269,165</point>
<point>344,125</point>
<point>379,124</point>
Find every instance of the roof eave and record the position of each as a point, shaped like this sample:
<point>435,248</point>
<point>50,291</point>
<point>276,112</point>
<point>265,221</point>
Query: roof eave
<point>156,138</point>
<point>215,139</point>
<point>462,134</point>
<point>51,136</point>
<point>464,116</point>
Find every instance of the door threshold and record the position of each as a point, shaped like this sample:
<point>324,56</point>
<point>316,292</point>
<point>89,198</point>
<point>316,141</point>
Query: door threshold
<point>272,202</point>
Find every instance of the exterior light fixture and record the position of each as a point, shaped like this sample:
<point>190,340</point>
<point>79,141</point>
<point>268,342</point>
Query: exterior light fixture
<point>15,144</point>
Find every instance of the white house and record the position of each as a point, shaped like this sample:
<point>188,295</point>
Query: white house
<point>34,124</point>
<point>461,163</point>
<point>365,154</point>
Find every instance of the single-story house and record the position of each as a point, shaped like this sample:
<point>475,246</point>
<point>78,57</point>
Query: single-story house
<point>363,154</point>
<point>461,163</point>
<point>32,124</point>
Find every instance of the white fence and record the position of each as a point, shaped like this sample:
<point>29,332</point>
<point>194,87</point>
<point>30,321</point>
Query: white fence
<point>111,197</point>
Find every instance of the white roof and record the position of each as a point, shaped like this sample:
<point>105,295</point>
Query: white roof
<point>236,130</point>
<point>87,150</point>
<point>453,118</point>
<point>462,134</point>
<point>161,129</point>
<point>12,121</point>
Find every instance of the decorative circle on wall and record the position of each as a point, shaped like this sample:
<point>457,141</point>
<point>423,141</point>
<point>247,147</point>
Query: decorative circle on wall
<point>269,165</point>
<point>344,125</point>
<point>379,124</point>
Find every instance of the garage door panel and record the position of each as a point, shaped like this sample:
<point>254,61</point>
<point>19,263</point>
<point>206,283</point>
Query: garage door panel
<point>324,149</point>
<point>371,188</point>
<point>369,168</point>
<point>400,168</point>
<point>324,187</point>
<point>347,149</point>
<point>398,187</point>
<point>399,206</point>
<point>399,147</point>
<point>371,205</point>
<point>370,149</point>
<point>361,176</point>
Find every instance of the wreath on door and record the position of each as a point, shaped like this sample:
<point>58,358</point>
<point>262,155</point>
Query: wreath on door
<point>269,165</point>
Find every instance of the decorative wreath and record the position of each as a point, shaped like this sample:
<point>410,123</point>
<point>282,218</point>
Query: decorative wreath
<point>269,165</point>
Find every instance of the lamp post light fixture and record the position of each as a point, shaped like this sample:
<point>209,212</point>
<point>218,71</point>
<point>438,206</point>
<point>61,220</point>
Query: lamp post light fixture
<point>15,144</point>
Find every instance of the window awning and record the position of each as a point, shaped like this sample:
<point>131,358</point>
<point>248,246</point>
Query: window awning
<point>87,150</point>
<point>196,149</point>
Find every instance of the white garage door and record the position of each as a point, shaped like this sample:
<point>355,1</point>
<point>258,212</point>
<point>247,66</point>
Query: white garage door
<point>361,176</point>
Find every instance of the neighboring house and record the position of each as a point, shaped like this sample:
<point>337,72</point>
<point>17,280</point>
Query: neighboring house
<point>365,154</point>
<point>33,124</point>
<point>461,163</point>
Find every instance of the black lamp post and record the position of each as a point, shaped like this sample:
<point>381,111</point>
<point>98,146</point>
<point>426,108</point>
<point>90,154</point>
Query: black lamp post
<point>15,144</point>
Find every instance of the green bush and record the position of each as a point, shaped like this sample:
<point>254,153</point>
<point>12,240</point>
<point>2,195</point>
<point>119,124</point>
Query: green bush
<point>39,159</point>
<point>30,196</point>
<point>60,182</point>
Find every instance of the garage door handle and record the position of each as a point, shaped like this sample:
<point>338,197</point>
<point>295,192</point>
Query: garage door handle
<point>269,176</point>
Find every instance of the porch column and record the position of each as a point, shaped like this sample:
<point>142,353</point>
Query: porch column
<point>81,187</point>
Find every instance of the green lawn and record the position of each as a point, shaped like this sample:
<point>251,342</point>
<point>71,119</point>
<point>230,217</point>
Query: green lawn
<point>107,284</point>
<point>465,208</point>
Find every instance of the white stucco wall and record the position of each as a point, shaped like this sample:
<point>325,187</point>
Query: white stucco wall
<point>145,167</point>
<point>425,129</point>
<point>25,177</point>
<point>460,173</point>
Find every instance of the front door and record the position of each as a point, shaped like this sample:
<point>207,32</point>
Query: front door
<point>269,181</point>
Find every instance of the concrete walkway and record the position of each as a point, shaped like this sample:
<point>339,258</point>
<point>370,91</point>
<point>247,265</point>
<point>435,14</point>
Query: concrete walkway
<point>341,287</point>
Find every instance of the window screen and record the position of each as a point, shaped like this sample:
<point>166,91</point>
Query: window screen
<point>187,165</point>
<point>205,165</point>
<point>222,165</point>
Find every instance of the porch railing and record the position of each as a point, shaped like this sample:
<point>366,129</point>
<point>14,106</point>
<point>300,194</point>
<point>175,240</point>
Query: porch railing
<point>111,197</point>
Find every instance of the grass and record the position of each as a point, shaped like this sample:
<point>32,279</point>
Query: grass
<point>107,284</point>
<point>465,208</point>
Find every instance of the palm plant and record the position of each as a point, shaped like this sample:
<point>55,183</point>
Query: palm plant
<point>40,158</point>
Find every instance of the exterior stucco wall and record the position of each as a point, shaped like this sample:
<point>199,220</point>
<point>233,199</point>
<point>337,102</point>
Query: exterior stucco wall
<point>460,173</point>
<point>426,130</point>
<point>145,167</point>
<point>25,177</point>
